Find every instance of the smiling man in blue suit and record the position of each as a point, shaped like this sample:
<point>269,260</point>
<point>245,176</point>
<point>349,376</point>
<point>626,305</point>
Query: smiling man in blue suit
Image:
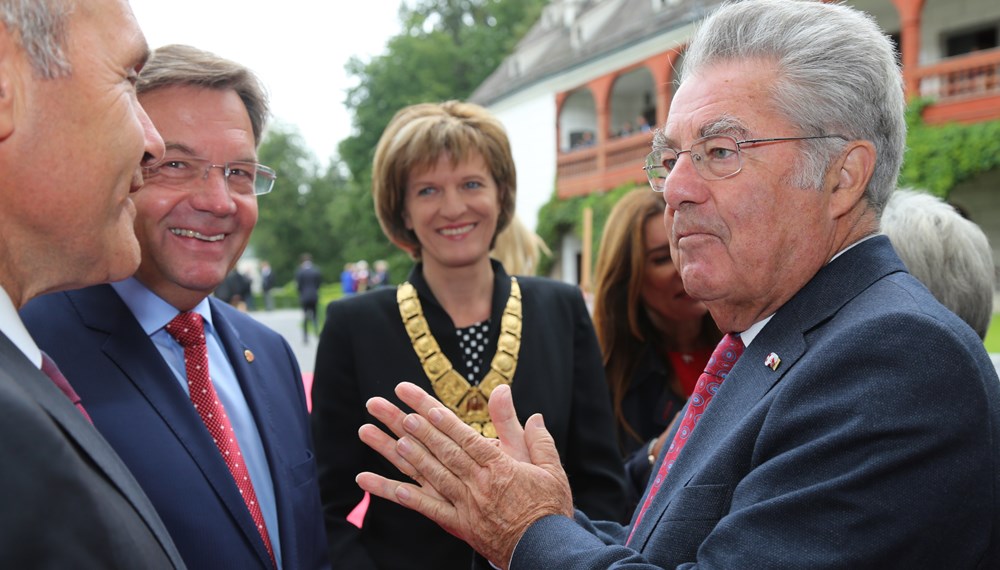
<point>859,421</point>
<point>205,405</point>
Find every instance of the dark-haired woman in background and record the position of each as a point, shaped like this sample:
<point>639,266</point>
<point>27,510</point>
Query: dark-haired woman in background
<point>654,337</point>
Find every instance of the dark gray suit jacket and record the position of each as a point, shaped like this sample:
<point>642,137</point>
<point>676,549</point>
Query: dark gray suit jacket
<point>137,403</point>
<point>68,500</point>
<point>875,444</point>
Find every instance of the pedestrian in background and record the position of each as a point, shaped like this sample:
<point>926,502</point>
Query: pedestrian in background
<point>308,279</point>
<point>267,284</point>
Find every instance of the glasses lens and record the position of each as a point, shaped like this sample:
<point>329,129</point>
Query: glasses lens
<point>175,170</point>
<point>655,171</point>
<point>717,157</point>
<point>249,178</point>
<point>264,181</point>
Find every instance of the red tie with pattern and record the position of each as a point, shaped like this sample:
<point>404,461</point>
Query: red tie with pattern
<point>723,358</point>
<point>188,330</point>
<point>52,371</point>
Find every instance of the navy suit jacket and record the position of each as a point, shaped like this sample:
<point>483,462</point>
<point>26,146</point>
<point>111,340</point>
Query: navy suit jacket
<point>137,403</point>
<point>874,444</point>
<point>68,500</point>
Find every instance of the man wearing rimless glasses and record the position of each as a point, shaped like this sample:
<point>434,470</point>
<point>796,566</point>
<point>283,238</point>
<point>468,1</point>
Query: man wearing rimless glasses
<point>205,405</point>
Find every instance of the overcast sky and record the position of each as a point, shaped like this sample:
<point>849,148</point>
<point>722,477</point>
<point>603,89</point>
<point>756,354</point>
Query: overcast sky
<point>297,47</point>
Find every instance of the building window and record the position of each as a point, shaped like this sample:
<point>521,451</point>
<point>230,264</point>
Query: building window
<point>969,41</point>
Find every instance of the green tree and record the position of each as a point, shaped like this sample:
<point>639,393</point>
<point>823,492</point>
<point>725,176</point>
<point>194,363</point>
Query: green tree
<point>939,157</point>
<point>292,217</point>
<point>447,48</point>
<point>414,69</point>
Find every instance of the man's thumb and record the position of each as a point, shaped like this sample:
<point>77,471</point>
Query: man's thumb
<point>541,447</point>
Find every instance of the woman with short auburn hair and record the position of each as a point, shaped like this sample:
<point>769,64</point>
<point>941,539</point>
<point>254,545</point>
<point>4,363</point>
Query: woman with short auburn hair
<point>444,186</point>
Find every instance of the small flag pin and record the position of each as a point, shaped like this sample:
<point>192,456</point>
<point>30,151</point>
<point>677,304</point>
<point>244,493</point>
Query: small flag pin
<point>248,354</point>
<point>772,361</point>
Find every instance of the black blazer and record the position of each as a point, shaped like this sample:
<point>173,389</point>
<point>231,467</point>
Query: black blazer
<point>649,406</point>
<point>68,500</point>
<point>364,351</point>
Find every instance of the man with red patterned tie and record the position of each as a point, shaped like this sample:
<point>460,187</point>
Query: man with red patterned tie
<point>204,404</point>
<point>857,425</point>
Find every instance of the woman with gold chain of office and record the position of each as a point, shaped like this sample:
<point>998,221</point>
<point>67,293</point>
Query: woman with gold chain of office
<point>443,182</point>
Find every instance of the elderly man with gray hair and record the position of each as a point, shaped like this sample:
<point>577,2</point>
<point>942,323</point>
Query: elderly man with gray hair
<point>946,252</point>
<point>846,420</point>
<point>73,140</point>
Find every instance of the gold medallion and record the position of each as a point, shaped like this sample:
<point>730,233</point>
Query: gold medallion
<point>469,402</point>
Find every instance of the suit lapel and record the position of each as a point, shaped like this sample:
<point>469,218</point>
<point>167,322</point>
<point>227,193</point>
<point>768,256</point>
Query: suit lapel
<point>751,379</point>
<point>134,353</point>
<point>86,437</point>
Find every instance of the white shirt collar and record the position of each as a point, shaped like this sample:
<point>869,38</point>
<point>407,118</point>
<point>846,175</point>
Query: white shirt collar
<point>12,326</point>
<point>152,312</point>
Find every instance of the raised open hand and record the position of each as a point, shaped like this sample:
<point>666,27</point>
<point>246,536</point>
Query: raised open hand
<point>484,493</point>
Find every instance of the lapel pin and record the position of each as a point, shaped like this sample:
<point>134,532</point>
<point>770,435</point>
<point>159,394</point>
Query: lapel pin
<point>772,361</point>
<point>248,354</point>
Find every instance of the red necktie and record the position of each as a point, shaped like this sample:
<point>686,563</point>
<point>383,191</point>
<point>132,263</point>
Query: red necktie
<point>52,371</point>
<point>188,330</point>
<point>723,358</point>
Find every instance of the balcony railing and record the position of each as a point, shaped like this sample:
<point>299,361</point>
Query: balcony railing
<point>975,74</point>
<point>964,88</point>
<point>603,167</point>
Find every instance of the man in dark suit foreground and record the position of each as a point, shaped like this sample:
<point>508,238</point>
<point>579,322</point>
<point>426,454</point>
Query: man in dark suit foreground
<point>859,427</point>
<point>226,457</point>
<point>72,138</point>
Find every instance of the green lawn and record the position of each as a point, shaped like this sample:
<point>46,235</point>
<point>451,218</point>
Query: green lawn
<point>993,335</point>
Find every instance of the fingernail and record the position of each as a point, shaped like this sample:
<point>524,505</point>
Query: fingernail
<point>410,423</point>
<point>537,421</point>
<point>403,446</point>
<point>435,415</point>
<point>402,493</point>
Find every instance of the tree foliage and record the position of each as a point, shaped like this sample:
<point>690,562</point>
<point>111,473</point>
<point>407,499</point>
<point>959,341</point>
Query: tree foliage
<point>561,217</point>
<point>292,218</point>
<point>447,48</point>
<point>939,157</point>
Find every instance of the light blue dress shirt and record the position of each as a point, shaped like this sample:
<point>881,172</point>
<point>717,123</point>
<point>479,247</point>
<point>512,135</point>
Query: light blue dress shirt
<point>153,314</point>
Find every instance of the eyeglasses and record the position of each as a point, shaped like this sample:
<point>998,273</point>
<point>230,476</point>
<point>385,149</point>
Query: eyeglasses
<point>242,177</point>
<point>715,157</point>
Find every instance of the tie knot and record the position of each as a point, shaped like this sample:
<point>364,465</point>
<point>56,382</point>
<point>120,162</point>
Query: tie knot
<point>725,355</point>
<point>187,329</point>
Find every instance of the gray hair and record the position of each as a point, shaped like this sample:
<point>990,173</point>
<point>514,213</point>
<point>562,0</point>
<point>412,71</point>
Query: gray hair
<point>946,252</point>
<point>175,65</point>
<point>40,26</point>
<point>837,75</point>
